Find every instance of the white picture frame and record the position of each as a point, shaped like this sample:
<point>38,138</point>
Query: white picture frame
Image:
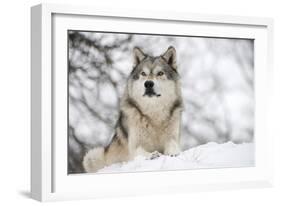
<point>49,178</point>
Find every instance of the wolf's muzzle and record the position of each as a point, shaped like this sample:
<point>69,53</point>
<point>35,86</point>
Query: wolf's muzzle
<point>149,91</point>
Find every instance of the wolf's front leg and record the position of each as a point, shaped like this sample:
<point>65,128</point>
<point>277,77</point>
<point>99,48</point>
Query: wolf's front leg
<point>141,152</point>
<point>136,149</point>
<point>172,148</point>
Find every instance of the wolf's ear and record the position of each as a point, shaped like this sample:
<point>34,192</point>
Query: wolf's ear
<point>138,55</point>
<point>170,57</point>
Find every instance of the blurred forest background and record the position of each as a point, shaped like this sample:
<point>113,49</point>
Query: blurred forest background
<point>217,76</point>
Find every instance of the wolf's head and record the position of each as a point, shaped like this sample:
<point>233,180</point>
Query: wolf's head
<point>154,78</point>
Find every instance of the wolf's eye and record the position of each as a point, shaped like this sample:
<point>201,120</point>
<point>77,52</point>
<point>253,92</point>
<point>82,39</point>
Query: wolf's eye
<point>160,73</point>
<point>143,73</point>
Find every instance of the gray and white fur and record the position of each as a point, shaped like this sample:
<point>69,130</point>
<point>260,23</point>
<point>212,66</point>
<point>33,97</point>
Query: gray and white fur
<point>150,113</point>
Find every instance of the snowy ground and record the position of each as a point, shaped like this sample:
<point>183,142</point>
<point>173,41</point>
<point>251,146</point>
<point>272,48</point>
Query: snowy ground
<point>210,155</point>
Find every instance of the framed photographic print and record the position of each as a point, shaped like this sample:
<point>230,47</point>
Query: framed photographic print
<point>135,102</point>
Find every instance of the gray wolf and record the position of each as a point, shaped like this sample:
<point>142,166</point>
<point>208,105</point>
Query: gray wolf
<point>150,113</point>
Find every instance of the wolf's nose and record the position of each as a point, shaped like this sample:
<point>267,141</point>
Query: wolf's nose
<point>148,84</point>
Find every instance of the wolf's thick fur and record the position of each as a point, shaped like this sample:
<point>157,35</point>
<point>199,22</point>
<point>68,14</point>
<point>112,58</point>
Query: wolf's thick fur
<point>150,113</point>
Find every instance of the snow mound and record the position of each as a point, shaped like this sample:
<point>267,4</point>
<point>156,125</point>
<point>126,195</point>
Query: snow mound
<point>210,155</point>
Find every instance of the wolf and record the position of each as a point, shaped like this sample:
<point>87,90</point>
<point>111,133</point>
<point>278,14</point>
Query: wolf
<point>150,113</point>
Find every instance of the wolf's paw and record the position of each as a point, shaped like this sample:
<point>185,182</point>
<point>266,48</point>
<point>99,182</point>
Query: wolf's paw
<point>172,149</point>
<point>174,155</point>
<point>154,155</point>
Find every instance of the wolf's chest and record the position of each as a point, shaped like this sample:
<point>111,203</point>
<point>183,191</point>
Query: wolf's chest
<point>149,134</point>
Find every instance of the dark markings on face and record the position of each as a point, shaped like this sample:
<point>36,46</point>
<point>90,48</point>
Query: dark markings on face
<point>170,72</point>
<point>135,73</point>
<point>152,63</point>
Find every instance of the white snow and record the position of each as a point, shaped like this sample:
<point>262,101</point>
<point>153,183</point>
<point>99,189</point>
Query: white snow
<point>210,155</point>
